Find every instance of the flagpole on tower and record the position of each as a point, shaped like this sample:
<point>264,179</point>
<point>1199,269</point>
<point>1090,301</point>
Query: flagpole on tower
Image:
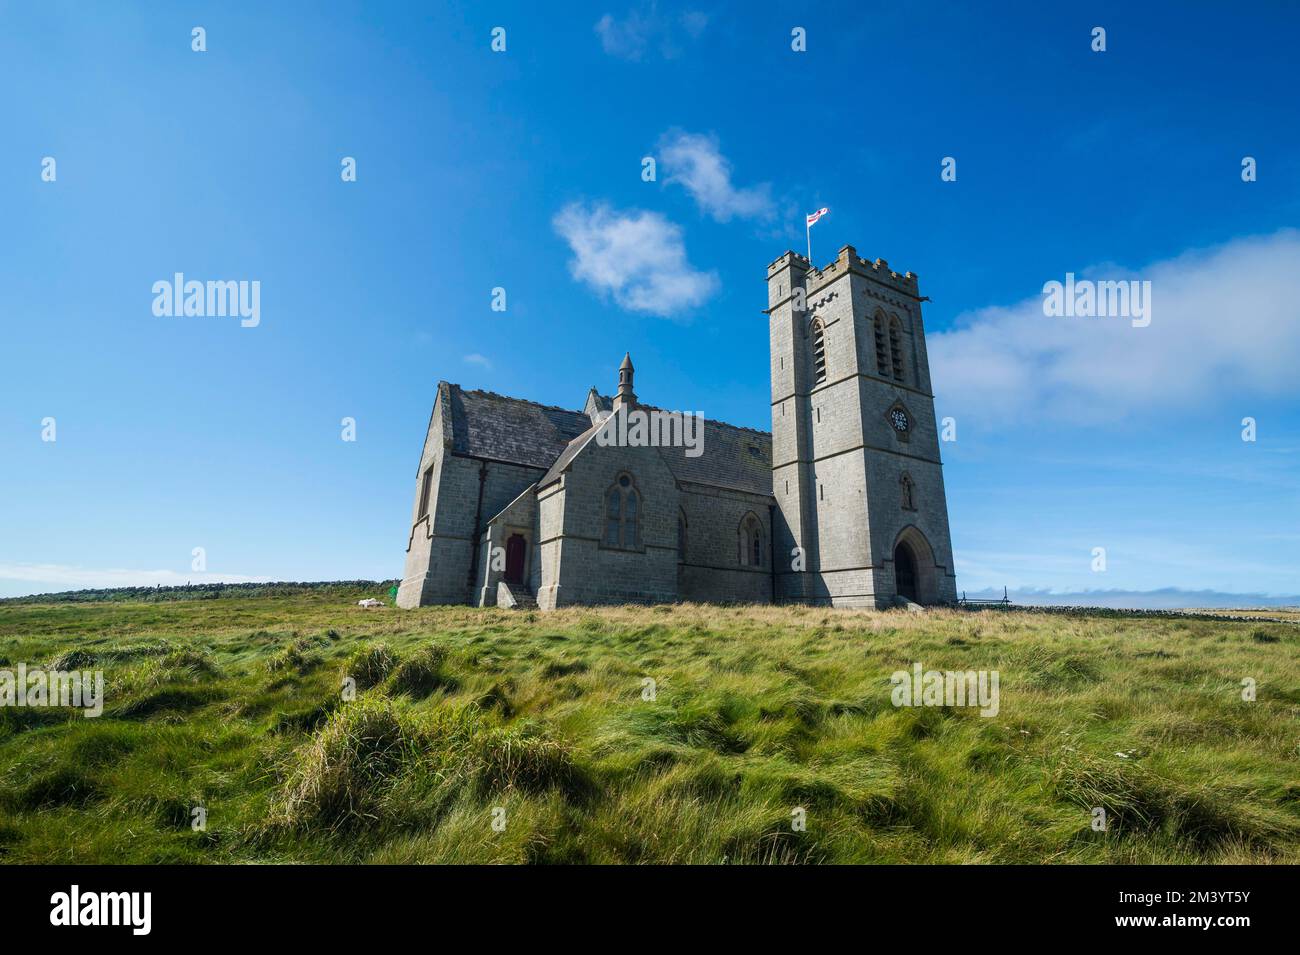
<point>809,221</point>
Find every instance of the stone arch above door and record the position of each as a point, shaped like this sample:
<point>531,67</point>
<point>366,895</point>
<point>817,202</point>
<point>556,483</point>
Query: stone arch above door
<point>925,578</point>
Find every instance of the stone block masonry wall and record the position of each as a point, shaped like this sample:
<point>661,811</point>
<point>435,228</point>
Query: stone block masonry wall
<point>438,571</point>
<point>839,504</point>
<point>791,449</point>
<point>550,544</point>
<point>586,570</point>
<point>889,521</point>
<point>711,569</point>
<point>420,546</point>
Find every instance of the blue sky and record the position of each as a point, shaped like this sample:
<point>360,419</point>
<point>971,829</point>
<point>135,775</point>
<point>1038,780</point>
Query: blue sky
<point>522,170</point>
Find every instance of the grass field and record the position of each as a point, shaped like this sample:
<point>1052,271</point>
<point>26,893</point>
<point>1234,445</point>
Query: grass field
<point>464,717</point>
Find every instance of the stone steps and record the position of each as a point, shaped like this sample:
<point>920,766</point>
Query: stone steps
<point>515,596</point>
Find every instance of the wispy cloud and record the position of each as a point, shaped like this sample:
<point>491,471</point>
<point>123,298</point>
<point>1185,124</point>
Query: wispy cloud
<point>68,577</point>
<point>638,257</point>
<point>474,358</point>
<point>695,162</point>
<point>646,31</point>
<point>1223,327</point>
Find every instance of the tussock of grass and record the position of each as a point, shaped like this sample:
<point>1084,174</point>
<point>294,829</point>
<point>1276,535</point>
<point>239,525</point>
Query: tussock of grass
<point>15,720</point>
<point>180,699</point>
<point>527,760</point>
<point>422,673</point>
<point>62,785</point>
<point>342,774</point>
<point>130,651</point>
<point>173,680</point>
<point>369,665</point>
<point>377,763</point>
<point>497,697</point>
<point>296,658</point>
<point>304,720</point>
<point>1138,799</point>
<point>77,659</point>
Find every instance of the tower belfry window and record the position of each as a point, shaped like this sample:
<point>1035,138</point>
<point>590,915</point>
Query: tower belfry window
<point>882,352</point>
<point>819,353</point>
<point>896,348</point>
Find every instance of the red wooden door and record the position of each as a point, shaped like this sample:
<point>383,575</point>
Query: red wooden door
<point>515,559</point>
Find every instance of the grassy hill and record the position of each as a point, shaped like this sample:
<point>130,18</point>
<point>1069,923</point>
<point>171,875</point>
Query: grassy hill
<point>234,705</point>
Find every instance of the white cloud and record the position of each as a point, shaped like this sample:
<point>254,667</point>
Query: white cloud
<point>1224,325</point>
<point>474,358</point>
<point>67,577</point>
<point>636,256</point>
<point>695,162</point>
<point>645,30</point>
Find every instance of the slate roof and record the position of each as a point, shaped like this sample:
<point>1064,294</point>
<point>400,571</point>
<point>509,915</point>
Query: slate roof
<point>568,454</point>
<point>489,425</point>
<point>737,458</point>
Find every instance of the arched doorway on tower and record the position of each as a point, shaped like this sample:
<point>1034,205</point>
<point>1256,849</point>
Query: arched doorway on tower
<point>905,572</point>
<point>915,575</point>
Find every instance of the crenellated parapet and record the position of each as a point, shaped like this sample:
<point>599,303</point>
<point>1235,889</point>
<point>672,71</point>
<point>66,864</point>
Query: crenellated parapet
<point>848,261</point>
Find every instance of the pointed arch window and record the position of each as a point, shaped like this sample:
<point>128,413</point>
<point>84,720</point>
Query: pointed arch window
<point>623,514</point>
<point>613,517</point>
<point>751,541</point>
<point>896,348</point>
<point>819,352</point>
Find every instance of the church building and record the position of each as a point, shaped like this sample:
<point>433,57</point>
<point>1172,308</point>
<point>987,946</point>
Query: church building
<point>842,504</point>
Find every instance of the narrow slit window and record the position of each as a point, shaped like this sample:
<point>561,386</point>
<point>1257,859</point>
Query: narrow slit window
<point>426,487</point>
<point>819,353</point>
<point>613,517</point>
<point>631,526</point>
<point>751,542</point>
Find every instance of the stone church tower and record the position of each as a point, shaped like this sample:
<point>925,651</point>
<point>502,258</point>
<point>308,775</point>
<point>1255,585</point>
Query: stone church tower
<point>861,516</point>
